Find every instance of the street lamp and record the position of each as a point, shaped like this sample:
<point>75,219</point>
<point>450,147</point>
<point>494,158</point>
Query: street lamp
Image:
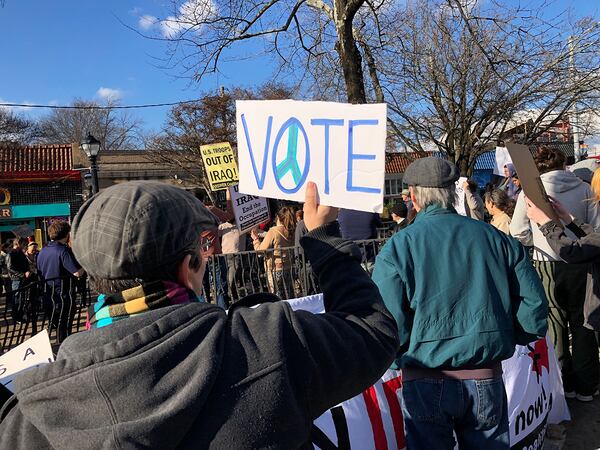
<point>91,147</point>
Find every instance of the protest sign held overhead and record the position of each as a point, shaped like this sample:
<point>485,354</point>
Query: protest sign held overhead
<point>249,210</point>
<point>220,165</point>
<point>529,176</point>
<point>29,354</point>
<point>283,144</point>
<point>460,196</point>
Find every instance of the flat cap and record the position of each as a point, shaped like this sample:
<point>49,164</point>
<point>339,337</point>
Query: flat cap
<point>431,172</point>
<point>138,229</point>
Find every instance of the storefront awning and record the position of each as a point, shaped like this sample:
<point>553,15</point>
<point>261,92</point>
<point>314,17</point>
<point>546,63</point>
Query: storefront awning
<point>41,210</point>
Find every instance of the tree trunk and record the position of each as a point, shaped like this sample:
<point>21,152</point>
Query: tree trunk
<point>350,58</point>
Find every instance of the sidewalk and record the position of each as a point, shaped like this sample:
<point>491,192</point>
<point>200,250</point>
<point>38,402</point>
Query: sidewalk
<point>582,432</point>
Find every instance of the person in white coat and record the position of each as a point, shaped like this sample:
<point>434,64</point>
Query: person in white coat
<point>564,283</point>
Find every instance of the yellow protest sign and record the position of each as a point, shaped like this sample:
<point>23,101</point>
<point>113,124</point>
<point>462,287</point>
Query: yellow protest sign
<point>220,165</point>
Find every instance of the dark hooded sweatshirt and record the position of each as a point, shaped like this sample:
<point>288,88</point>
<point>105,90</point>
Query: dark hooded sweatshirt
<point>193,377</point>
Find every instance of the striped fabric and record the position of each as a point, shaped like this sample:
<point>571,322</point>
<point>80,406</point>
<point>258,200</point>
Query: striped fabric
<point>137,300</point>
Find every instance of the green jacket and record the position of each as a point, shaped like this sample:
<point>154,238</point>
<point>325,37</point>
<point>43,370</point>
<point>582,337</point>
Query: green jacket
<point>462,292</point>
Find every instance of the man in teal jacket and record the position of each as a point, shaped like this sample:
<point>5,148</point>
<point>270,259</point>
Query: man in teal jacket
<point>463,294</point>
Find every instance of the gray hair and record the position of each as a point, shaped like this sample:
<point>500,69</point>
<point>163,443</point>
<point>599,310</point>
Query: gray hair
<point>425,196</point>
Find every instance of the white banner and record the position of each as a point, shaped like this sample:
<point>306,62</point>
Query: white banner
<point>249,210</point>
<point>373,420</point>
<point>31,353</point>
<point>502,158</point>
<point>283,144</point>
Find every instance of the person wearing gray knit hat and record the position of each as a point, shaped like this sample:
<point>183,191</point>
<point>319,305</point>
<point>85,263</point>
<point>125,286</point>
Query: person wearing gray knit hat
<point>462,294</point>
<point>159,368</point>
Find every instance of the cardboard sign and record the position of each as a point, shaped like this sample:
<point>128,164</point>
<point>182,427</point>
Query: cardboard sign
<point>529,176</point>
<point>460,196</point>
<point>373,420</point>
<point>502,158</point>
<point>31,353</point>
<point>283,144</point>
<point>220,165</point>
<point>249,210</point>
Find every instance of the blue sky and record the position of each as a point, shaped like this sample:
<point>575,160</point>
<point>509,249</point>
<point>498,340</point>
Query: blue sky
<point>55,51</point>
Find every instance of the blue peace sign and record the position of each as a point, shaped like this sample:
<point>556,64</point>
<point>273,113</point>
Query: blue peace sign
<point>290,163</point>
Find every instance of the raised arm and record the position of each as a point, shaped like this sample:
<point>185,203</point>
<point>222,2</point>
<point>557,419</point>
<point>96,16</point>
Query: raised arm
<point>582,250</point>
<point>520,227</point>
<point>333,356</point>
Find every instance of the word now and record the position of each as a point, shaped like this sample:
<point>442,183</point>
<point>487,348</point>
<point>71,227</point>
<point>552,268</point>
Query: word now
<point>290,163</point>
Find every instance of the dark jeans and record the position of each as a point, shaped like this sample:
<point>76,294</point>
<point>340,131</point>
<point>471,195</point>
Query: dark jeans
<point>476,410</point>
<point>215,282</point>
<point>565,288</point>
<point>60,309</point>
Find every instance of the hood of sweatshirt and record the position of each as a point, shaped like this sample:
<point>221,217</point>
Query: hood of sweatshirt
<point>138,383</point>
<point>559,181</point>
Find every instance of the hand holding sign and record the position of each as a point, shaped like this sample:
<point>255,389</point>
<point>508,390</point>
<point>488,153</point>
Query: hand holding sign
<point>538,216</point>
<point>529,176</point>
<point>315,214</point>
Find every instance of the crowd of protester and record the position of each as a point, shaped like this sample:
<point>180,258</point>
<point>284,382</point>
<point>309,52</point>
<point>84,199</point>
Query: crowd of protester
<point>171,370</point>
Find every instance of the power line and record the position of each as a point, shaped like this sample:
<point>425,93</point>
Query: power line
<point>89,107</point>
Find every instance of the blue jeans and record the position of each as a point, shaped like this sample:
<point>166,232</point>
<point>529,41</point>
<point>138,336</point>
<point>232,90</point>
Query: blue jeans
<point>476,410</point>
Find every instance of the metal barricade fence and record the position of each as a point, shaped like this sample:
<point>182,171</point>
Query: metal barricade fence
<point>60,305</point>
<point>283,271</point>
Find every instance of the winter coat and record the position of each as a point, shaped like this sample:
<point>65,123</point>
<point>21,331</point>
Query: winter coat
<point>584,249</point>
<point>462,292</point>
<point>192,376</point>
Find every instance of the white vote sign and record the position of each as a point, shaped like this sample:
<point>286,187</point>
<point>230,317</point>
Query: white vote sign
<point>29,354</point>
<point>283,144</point>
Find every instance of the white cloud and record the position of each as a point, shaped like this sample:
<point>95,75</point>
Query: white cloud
<point>171,27</point>
<point>147,22</point>
<point>106,93</point>
<point>190,16</point>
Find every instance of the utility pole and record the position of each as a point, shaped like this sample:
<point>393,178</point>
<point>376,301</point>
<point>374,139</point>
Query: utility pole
<point>573,119</point>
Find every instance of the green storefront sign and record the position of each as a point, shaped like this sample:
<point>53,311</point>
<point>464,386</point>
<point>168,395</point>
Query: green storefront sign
<point>21,214</point>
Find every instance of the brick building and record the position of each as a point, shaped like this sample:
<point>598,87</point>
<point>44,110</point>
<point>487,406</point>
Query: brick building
<point>38,185</point>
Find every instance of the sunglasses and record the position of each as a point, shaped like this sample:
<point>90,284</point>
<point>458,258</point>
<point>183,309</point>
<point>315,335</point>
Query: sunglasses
<point>206,243</point>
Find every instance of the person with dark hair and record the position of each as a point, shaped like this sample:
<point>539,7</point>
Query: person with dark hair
<point>20,274</point>
<point>473,201</point>
<point>457,323</point>
<point>60,270</point>
<point>565,284</point>
<point>500,207</point>
<point>159,368</point>
<point>6,283</point>
<point>17,264</point>
<point>399,212</point>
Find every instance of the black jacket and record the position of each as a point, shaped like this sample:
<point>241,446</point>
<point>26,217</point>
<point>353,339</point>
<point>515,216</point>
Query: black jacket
<point>193,377</point>
<point>585,249</point>
<point>17,264</point>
